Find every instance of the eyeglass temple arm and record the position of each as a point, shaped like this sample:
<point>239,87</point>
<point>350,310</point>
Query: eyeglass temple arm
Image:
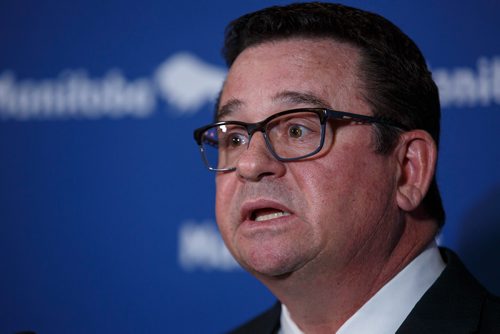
<point>364,118</point>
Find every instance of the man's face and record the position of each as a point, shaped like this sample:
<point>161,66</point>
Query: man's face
<point>328,211</point>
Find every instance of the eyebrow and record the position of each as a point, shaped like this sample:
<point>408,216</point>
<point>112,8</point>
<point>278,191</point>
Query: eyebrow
<point>294,97</point>
<point>288,97</point>
<point>228,108</point>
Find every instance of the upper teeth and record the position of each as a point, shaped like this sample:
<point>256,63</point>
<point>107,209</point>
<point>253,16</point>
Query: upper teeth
<point>271,216</point>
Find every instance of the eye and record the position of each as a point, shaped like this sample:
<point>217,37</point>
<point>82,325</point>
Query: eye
<point>297,131</point>
<point>236,139</point>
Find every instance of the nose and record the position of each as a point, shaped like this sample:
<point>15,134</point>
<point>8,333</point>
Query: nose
<point>257,162</point>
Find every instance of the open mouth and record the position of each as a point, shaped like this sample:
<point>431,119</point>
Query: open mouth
<point>261,215</point>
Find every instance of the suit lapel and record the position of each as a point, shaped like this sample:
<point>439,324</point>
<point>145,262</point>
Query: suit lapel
<point>451,305</point>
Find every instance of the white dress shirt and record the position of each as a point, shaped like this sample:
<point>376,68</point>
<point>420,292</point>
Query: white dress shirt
<point>388,308</point>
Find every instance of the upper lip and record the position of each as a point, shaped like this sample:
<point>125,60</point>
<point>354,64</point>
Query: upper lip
<point>249,207</point>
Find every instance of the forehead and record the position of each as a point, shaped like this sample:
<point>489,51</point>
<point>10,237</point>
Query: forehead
<point>264,76</point>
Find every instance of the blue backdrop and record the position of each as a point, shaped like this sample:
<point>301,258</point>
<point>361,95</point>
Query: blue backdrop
<point>106,210</point>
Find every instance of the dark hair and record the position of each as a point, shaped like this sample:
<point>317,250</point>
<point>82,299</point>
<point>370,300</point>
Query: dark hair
<point>396,82</point>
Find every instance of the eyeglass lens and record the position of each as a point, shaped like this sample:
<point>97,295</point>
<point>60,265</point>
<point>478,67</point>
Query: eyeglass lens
<point>289,136</point>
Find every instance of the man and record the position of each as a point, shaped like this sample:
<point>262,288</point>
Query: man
<point>325,149</point>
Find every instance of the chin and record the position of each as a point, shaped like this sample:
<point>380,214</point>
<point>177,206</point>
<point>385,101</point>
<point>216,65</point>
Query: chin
<point>269,264</point>
<point>270,273</point>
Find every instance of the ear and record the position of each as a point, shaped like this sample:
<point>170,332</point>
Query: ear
<point>417,156</point>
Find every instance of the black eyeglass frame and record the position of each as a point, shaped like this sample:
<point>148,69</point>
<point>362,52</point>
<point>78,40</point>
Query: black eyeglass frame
<point>324,114</point>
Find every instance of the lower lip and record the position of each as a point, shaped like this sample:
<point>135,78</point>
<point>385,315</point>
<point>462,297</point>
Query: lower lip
<point>270,223</point>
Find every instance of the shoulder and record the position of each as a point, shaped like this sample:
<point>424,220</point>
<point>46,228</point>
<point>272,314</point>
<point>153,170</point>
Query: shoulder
<point>490,315</point>
<point>265,323</point>
<point>455,303</point>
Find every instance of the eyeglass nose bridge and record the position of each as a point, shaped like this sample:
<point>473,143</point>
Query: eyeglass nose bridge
<point>252,128</point>
<point>255,127</point>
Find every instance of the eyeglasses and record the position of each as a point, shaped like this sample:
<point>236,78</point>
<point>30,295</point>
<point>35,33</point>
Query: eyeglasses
<point>289,135</point>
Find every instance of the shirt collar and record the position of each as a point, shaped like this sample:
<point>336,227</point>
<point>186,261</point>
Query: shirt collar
<point>389,307</point>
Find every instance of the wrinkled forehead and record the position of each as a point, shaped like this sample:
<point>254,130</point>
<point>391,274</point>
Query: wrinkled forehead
<point>310,72</point>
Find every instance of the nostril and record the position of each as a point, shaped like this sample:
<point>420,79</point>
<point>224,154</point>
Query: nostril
<point>262,175</point>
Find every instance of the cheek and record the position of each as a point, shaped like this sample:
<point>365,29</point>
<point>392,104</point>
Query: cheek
<point>223,184</point>
<point>223,199</point>
<point>345,187</point>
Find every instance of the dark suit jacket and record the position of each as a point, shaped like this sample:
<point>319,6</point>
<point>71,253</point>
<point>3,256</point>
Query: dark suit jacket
<point>455,303</point>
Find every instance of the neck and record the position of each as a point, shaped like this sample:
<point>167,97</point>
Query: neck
<point>321,300</point>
